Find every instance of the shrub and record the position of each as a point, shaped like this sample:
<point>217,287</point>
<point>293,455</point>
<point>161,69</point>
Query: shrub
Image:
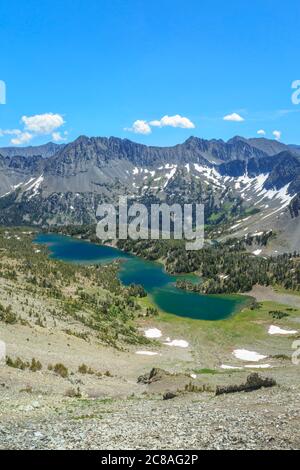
<point>151,312</point>
<point>79,335</point>
<point>84,369</point>
<point>136,290</point>
<point>61,370</point>
<point>27,389</point>
<point>17,363</point>
<point>7,315</point>
<point>35,365</point>
<point>190,387</point>
<point>278,315</point>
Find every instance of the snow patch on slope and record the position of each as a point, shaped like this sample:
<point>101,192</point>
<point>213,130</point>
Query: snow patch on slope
<point>34,187</point>
<point>170,175</point>
<point>210,173</point>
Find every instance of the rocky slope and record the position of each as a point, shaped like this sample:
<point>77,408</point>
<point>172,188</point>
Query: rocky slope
<point>45,151</point>
<point>261,420</point>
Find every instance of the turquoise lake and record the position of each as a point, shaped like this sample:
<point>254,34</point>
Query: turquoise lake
<point>156,281</point>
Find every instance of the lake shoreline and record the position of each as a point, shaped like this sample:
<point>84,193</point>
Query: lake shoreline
<point>112,244</point>
<point>159,285</point>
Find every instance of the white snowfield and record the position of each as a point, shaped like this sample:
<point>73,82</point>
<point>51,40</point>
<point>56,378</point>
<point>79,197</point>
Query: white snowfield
<point>226,367</point>
<point>170,175</point>
<point>153,333</point>
<point>180,343</point>
<point>34,187</point>
<point>275,330</point>
<point>245,355</point>
<point>146,353</point>
<point>258,366</point>
<point>257,252</point>
<point>247,366</point>
<point>2,351</point>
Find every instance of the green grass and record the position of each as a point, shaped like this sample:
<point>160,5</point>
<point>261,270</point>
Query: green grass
<point>146,302</point>
<point>206,371</point>
<point>244,327</point>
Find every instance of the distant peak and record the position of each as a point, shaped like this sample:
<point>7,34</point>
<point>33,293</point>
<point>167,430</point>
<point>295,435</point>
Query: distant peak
<point>82,138</point>
<point>237,138</point>
<point>193,140</point>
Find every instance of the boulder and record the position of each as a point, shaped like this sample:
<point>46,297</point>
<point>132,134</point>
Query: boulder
<point>169,395</point>
<point>154,375</point>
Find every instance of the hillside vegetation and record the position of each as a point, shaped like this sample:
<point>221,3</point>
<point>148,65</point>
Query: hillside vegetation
<point>90,297</point>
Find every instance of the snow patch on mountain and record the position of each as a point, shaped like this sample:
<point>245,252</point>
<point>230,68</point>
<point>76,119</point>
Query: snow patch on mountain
<point>34,187</point>
<point>170,175</point>
<point>210,173</point>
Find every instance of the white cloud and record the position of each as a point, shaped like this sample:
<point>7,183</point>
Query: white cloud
<point>261,132</point>
<point>277,134</point>
<point>37,125</point>
<point>140,127</point>
<point>143,127</point>
<point>9,132</point>
<point>22,138</point>
<point>57,137</point>
<point>43,123</point>
<point>173,121</point>
<point>156,123</point>
<point>233,117</point>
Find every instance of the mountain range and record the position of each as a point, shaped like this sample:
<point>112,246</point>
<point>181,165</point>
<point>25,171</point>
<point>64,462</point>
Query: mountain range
<point>246,185</point>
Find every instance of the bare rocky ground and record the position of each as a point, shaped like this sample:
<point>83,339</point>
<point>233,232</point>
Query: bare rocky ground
<point>265,419</point>
<point>38,411</point>
<point>262,293</point>
<point>114,411</point>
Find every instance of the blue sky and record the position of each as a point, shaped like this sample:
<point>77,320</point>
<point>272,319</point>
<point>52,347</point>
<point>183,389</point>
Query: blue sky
<point>95,67</point>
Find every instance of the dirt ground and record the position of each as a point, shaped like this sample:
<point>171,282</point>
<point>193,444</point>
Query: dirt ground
<point>262,293</point>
